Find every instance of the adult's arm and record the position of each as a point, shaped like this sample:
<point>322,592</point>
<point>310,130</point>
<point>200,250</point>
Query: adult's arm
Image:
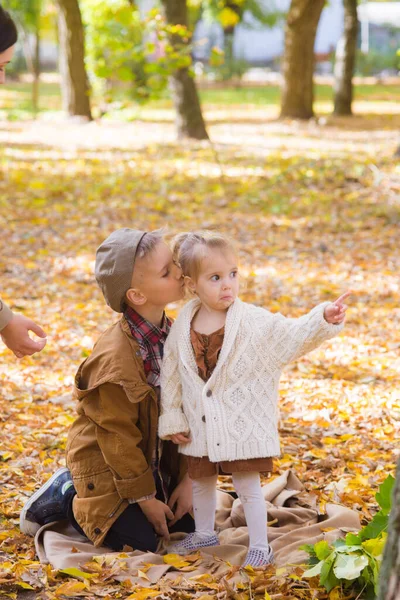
<point>14,331</point>
<point>5,315</point>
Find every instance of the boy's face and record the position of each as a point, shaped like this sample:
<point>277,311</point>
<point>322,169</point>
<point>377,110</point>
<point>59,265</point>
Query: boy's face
<point>158,278</point>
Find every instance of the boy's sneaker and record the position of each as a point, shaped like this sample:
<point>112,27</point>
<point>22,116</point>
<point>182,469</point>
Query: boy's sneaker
<point>193,542</point>
<point>48,504</point>
<point>259,558</point>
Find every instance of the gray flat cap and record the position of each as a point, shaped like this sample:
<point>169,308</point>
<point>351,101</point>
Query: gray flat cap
<point>113,270</point>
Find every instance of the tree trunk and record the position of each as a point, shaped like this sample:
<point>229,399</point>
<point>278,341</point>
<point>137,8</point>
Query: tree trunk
<point>298,60</point>
<point>74,81</point>
<point>389,580</point>
<point>345,60</point>
<point>189,119</point>
<point>36,70</point>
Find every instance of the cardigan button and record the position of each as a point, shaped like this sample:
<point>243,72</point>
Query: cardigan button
<point>90,486</point>
<point>97,531</point>
<point>203,418</point>
<point>208,393</point>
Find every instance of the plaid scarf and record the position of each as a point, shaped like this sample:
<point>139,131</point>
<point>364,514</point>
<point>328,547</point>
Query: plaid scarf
<point>151,342</point>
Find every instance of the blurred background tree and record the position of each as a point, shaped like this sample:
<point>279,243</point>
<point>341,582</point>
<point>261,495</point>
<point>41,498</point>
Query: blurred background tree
<point>28,16</point>
<point>74,80</point>
<point>121,53</point>
<point>346,60</point>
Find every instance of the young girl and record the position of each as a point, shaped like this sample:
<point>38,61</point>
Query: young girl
<point>219,385</point>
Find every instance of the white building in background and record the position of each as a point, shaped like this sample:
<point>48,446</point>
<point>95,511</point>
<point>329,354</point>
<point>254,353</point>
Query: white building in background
<point>258,44</point>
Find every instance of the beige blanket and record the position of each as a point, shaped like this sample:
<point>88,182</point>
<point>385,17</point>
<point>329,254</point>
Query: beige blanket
<point>291,522</point>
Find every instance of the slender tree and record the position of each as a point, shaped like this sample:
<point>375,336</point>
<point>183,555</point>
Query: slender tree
<point>74,81</point>
<point>189,119</point>
<point>346,59</point>
<point>389,580</point>
<point>27,15</point>
<point>299,60</point>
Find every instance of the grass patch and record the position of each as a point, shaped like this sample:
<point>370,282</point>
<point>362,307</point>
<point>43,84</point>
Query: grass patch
<point>16,100</point>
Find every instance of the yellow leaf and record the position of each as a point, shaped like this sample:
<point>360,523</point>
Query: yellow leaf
<point>204,578</point>
<point>175,560</point>
<point>335,594</point>
<point>24,585</point>
<point>228,18</point>
<point>143,575</point>
<point>267,596</point>
<point>71,589</point>
<point>250,570</point>
<point>72,572</point>
<point>143,594</point>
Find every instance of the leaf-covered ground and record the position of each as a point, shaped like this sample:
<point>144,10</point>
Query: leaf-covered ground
<point>315,211</point>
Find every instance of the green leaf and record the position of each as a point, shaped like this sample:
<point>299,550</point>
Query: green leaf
<point>308,548</point>
<point>375,546</point>
<point>378,524</point>
<point>314,571</point>
<point>322,549</point>
<point>384,496</point>
<point>328,578</point>
<point>350,566</point>
<point>353,539</point>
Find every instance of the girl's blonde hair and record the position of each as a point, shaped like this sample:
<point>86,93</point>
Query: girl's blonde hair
<point>189,249</point>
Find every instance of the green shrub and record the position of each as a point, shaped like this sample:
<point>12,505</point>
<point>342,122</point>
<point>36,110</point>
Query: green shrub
<point>354,563</point>
<point>375,62</point>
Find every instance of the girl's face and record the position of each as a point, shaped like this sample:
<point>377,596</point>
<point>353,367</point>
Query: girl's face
<point>5,58</point>
<point>217,285</point>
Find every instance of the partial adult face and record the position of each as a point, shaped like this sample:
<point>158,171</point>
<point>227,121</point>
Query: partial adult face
<point>5,58</point>
<point>218,283</point>
<point>158,277</point>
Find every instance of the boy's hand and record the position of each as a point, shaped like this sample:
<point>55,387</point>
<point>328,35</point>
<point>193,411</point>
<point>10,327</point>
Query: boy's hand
<point>180,438</point>
<point>157,513</point>
<point>16,337</point>
<point>181,499</point>
<point>336,311</point>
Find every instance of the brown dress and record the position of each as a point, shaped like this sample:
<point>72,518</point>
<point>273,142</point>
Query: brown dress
<point>206,350</point>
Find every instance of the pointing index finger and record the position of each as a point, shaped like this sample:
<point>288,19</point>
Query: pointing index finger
<point>342,297</point>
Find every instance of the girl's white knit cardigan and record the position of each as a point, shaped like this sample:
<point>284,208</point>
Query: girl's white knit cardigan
<point>234,415</point>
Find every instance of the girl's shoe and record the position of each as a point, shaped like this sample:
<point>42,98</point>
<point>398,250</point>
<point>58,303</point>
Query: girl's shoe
<point>259,558</point>
<point>192,543</point>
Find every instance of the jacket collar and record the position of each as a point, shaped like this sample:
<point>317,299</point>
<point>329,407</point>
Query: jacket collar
<point>233,319</point>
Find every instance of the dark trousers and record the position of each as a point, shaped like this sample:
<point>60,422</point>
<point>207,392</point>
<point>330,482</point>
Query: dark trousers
<point>131,528</point>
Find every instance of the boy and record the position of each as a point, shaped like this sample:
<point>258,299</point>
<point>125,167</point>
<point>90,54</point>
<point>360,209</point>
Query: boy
<point>124,483</point>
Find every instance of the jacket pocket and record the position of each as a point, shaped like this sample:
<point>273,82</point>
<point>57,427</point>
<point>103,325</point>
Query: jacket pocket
<point>96,484</point>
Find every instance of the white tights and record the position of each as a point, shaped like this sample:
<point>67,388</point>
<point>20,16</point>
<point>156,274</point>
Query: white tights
<point>248,488</point>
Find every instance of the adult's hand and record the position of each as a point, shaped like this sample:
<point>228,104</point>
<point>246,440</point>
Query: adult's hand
<point>157,513</point>
<point>181,500</point>
<point>15,335</point>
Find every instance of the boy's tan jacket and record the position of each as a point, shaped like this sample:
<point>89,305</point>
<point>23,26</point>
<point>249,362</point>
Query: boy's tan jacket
<point>111,444</point>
